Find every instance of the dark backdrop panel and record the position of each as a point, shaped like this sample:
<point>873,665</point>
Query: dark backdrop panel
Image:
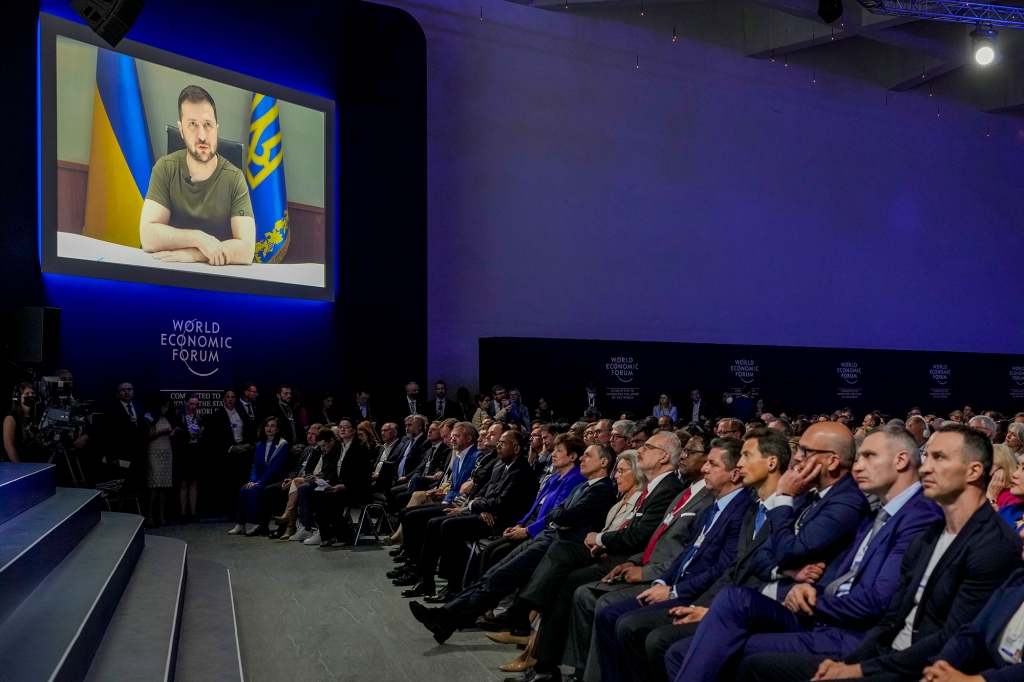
<point>371,59</point>
<point>630,375</point>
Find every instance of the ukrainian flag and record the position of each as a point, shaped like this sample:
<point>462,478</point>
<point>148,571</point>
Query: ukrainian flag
<point>264,170</point>
<point>121,156</point>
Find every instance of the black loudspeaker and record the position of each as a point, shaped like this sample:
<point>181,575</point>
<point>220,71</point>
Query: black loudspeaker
<point>34,335</point>
<point>110,19</point>
<point>830,10</point>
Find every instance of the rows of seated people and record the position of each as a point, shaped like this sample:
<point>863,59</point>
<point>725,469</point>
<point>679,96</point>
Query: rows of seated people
<point>625,551</point>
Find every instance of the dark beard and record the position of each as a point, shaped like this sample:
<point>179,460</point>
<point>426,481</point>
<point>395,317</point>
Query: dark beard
<point>195,155</point>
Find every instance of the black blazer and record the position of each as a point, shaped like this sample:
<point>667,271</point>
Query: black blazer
<point>309,458</point>
<point>419,445</point>
<point>509,495</point>
<point>123,439</point>
<point>355,471</point>
<point>284,426</point>
<point>573,522</point>
<point>979,560</point>
<point>355,413</point>
<point>251,424</point>
<point>646,519</point>
<point>452,409</point>
<point>217,435</point>
<point>432,461</point>
<point>742,571</point>
<point>482,470</point>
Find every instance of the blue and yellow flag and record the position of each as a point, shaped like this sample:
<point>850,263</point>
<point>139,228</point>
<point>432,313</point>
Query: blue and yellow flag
<point>264,170</point>
<point>121,156</point>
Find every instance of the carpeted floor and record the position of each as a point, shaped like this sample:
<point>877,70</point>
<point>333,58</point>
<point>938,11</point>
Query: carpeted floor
<point>306,613</point>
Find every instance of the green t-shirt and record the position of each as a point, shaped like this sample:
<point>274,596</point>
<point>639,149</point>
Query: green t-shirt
<point>207,205</point>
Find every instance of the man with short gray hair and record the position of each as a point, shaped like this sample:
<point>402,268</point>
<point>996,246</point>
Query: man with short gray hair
<point>983,423</point>
<point>621,432</point>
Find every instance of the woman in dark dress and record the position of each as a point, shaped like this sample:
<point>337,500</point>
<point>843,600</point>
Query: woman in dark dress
<point>186,444</point>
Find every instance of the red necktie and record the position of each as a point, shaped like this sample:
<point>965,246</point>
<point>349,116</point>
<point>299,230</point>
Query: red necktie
<point>663,527</point>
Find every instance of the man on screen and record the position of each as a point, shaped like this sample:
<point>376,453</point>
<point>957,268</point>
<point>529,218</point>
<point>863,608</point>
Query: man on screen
<point>197,209</point>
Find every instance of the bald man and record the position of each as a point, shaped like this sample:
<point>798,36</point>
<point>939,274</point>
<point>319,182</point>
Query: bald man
<point>815,511</point>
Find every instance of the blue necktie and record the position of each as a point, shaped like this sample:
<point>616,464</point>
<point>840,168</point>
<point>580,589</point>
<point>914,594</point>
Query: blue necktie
<point>692,552</point>
<point>401,465</point>
<point>762,516</point>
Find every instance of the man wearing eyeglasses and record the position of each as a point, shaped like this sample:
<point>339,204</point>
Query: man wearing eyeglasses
<point>619,436</point>
<point>730,427</point>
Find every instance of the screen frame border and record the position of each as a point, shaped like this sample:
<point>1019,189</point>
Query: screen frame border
<point>49,28</point>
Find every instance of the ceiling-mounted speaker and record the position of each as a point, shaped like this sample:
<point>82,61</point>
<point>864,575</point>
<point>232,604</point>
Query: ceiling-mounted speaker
<point>830,10</point>
<point>109,19</point>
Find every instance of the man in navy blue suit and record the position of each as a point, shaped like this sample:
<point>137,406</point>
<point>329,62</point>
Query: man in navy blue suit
<point>989,649</point>
<point>707,555</point>
<point>815,511</point>
<point>830,617</point>
<point>948,574</point>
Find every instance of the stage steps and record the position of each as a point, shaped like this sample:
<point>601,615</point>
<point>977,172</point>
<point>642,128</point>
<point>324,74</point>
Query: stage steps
<point>86,595</point>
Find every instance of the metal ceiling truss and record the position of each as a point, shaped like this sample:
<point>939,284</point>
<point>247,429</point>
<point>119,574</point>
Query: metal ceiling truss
<point>956,11</point>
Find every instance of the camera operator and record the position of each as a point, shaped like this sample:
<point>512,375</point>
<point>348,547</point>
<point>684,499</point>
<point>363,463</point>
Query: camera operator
<point>18,437</point>
<point>65,377</point>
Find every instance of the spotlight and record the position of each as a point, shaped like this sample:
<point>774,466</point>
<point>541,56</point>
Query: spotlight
<point>109,19</point>
<point>830,10</point>
<point>983,45</point>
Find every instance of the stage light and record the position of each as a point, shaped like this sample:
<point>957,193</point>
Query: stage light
<point>109,19</point>
<point>983,45</point>
<point>830,10</point>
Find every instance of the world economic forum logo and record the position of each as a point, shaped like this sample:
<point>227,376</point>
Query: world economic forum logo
<point>198,344</point>
<point>745,370</point>
<point>849,371</point>
<point>1017,374</point>
<point>622,367</point>
<point>940,373</point>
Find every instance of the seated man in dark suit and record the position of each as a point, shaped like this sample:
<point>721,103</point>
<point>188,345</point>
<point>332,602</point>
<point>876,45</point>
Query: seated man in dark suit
<point>989,649</point>
<point>947,575</point>
<point>709,551</point>
<point>645,634</point>
<point>830,617</point>
<point>414,520</point>
<point>569,565</point>
<point>410,451</point>
<point>635,575</point>
<point>348,484</point>
<point>431,467</point>
<point>508,495</point>
<point>816,508</point>
<point>580,513</point>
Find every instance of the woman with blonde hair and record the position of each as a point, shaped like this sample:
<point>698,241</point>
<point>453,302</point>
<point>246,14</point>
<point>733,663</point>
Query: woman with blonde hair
<point>1003,466</point>
<point>1015,439</point>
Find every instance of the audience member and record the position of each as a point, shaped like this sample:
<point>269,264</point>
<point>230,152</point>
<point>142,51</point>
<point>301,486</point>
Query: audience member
<point>346,470</point>
<point>230,454</point>
<point>412,404</point>
<point>699,411</point>
<point>159,462</point>
<point>324,412</point>
<point>483,410</point>
<point>570,519</point>
<point>513,411</point>
<point>647,633</point>
<point>1000,481</point>
<point>288,419</point>
<point>830,616</point>
<point>254,416</point>
<point>983,423</point>
<point>188,452</point>
<point>269,465</point>
<point>505,498</point>
<point>567,566</point>
<point>441,408</point>
<point>543,413</point>
<point>305,471</point>
<point>618,439</point>
<point>948,573</point>
<point>363,411</point>
<point>665,408</point>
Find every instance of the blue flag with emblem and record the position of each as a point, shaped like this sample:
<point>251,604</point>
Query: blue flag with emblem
<point>264,171</point>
